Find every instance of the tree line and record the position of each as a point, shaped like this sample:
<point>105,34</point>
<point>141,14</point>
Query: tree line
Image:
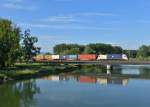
<point>97,48</point>
<point>15,45</point>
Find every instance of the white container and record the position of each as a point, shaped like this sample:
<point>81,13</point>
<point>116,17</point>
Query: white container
<point>55,57</point>
<point>102,57</point>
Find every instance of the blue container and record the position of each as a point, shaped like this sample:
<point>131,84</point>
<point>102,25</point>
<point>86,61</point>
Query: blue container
<point>62,57</point>
<point>71,57</point>
<point>114,56</point>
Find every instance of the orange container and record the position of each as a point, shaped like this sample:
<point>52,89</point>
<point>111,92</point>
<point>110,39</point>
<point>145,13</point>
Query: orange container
<point>85,57</point>
<point>48,57</point>
<point>39,58</point>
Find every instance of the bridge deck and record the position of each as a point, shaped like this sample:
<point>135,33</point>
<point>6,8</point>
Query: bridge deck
<point>103,62</point>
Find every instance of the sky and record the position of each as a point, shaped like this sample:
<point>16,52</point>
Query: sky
<point>118,22</point>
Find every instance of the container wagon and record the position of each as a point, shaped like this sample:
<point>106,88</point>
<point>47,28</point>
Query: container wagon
<point>38,58</point>
<point>55,57</point>
<point>62,57</point>
<point>71,57</point>
<point>86,57</point>
<point>48,57</point>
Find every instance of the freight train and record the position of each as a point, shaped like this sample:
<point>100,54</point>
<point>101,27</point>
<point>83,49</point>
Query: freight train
<point>80,57</point>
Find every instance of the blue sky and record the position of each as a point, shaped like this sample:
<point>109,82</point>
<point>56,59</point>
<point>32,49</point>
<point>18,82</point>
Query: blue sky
<point>119,22</point>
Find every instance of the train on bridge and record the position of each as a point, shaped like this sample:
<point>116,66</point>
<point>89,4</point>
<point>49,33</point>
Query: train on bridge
<point>80,57</point>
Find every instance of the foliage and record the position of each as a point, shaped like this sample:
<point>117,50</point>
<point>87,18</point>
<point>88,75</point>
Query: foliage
<point>130,53</point>
<point>100,48</point>
<point>9,42</point>
<point>90,48</point>
<point>48,53</point>
<point>29,49</point>
<point>143,51</point>
<point>68,49</point>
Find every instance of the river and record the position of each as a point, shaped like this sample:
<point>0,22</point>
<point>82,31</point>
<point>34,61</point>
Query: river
<point>125,86</point>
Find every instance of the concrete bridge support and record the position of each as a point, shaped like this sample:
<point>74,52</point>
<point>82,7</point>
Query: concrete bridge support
<point>109,67</point>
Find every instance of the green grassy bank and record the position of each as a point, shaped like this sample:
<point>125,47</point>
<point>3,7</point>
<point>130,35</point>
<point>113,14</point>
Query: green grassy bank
<point>35,70</point>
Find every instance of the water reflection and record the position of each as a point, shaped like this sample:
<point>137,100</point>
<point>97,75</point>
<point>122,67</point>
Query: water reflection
<point>134,69</point>
<point>90,79</point>
<point>18,94</point>
<point>120,75</point>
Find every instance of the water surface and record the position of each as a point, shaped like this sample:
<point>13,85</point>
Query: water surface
<point>125,86</point>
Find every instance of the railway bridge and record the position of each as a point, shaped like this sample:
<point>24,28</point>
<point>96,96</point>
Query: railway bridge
<point>108,63</point>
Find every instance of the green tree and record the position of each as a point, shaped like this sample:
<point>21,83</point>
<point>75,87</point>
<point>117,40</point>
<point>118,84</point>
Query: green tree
<point>88,50</point>
<point>68,49</point>
<point>29,48</point>
<point>100,48</point>
<point>9,42</point>
<point>130,53</point>
<point>143,51</point>
<point>48,53</point>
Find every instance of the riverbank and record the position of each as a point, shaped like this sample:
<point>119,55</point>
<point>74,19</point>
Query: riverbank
<point>35,70</point>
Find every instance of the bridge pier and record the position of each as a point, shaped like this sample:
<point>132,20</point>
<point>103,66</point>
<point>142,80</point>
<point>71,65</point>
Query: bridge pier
<point>109,67</point>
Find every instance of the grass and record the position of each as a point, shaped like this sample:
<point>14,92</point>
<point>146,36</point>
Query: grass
<point>23,71</point>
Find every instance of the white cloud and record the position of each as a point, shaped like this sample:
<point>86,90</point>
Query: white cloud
<point>17,6</point>
<point>75,17</point>
<point>63,19</point>
<point>75,27</point>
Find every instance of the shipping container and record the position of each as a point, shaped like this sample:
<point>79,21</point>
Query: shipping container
<point>48,57</point>
<point>114,56</point>
<point>102,57</point>
<point>62,57</point>
<point>87,57</point>
<point>55,57</point>
<point>71,57</point>
<point>39,58</point>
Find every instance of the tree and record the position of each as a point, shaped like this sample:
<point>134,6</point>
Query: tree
<point>48,53</point>
<point>9,42</point>
<point>130,53</point>
<point>100,48</point>
<point>143,51</point>
<point>68,49</point>
<point>29,48</point>
<point>88,50</point>
<point>117,49</point>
